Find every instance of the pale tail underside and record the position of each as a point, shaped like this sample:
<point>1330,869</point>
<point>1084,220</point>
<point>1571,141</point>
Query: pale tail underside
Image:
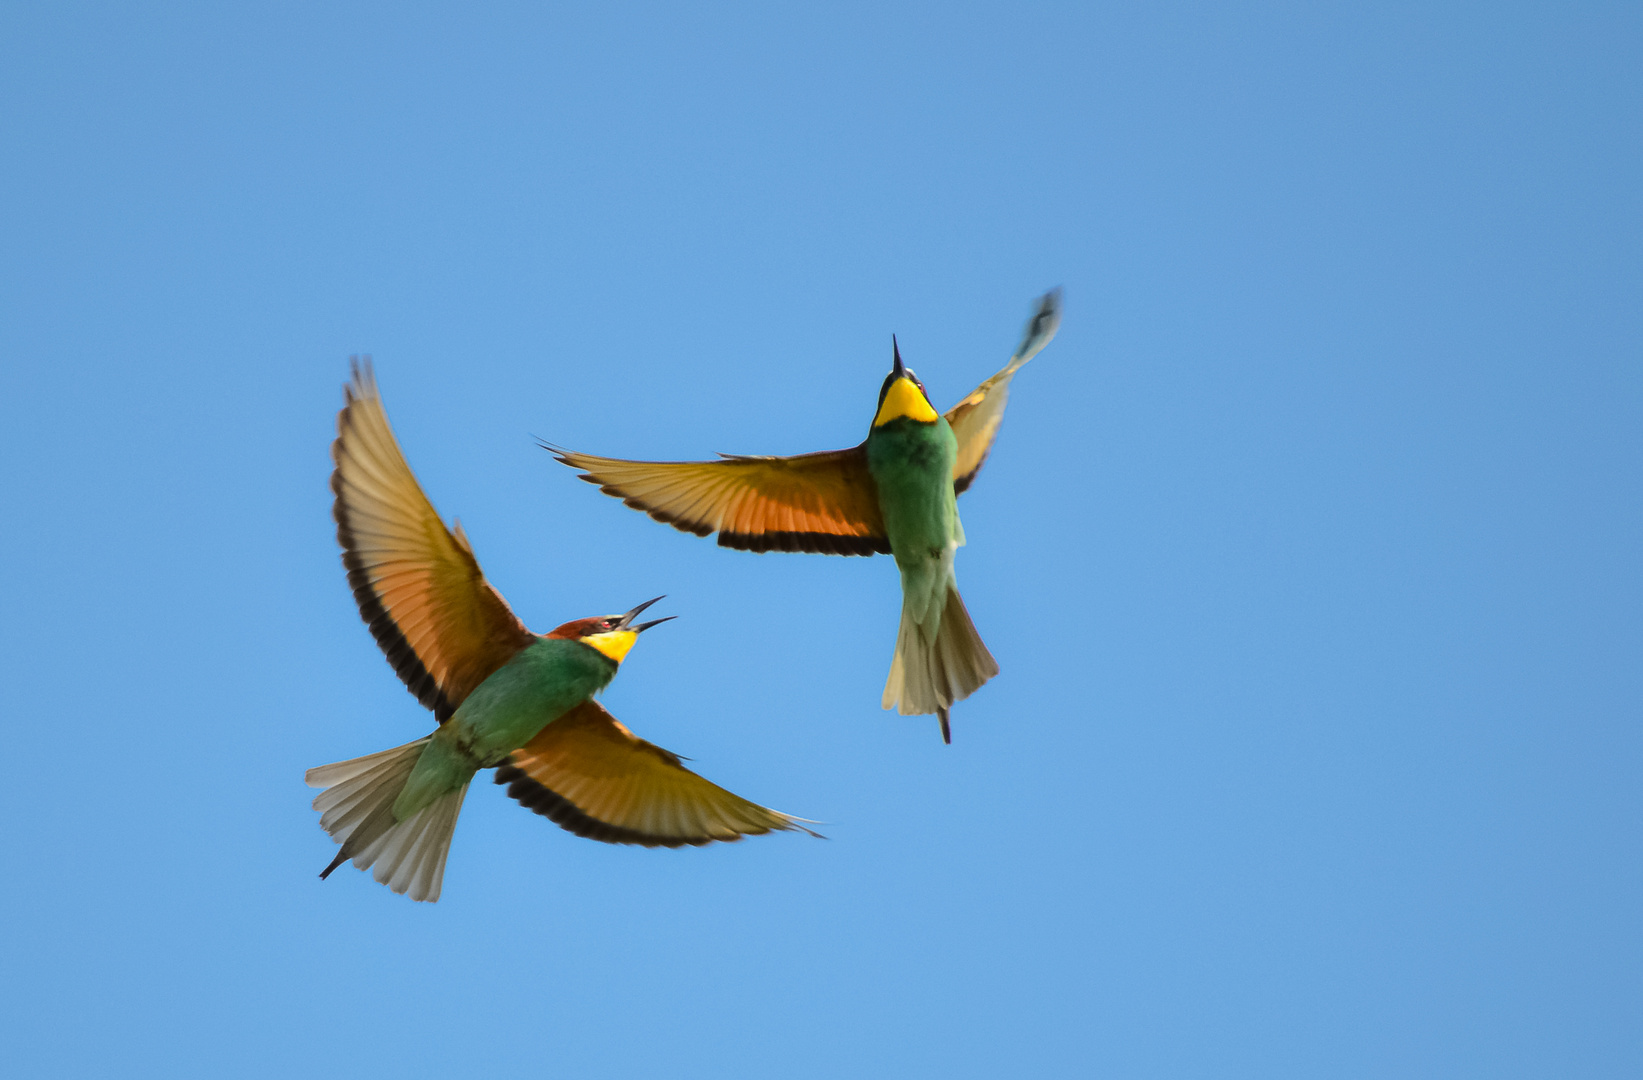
<point>357,809</point>
<point>928,676</point>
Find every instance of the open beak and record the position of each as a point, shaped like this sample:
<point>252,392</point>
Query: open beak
<point>898,370</point>
<point>628,618</point>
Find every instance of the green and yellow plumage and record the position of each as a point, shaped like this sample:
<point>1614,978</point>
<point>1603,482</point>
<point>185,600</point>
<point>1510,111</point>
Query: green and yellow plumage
<point>894,494</point>
<point>505,698</point>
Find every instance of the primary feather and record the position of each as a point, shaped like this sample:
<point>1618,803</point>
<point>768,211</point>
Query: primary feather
<point>820,503</point>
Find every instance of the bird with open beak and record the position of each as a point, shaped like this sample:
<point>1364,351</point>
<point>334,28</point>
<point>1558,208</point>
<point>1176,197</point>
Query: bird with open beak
<point>505,698</point>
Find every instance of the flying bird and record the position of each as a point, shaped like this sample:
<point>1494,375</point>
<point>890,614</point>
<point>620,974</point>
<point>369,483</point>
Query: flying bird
<point>894,494</point>
<point>505,698</point>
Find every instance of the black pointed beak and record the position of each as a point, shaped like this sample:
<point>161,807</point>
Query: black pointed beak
<point>628,617</point>
<point>642,627</point>
<point>898,370</point>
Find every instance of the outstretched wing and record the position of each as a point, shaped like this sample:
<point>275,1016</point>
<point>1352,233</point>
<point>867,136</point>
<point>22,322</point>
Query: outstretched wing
<point>597,779</point>
<point>975,420</point>
<point>825,503</point>
<point>417,584</point>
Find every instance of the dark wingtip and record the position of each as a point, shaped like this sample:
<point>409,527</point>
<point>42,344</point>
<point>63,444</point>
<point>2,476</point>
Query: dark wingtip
<point>1045,321</point>
<point>362,379</point>
<point>946,727</point>
<point>535,796</point>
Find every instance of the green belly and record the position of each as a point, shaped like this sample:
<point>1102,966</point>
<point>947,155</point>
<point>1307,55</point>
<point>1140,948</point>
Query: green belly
<point>547,679</point>
<point>912,464</point>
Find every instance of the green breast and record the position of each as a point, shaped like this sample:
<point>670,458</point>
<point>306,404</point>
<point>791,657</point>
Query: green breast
<point>912,464</point>
<point>546,679</point>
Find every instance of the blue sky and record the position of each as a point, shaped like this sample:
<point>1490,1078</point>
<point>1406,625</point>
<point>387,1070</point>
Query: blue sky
<point>1309,549</point>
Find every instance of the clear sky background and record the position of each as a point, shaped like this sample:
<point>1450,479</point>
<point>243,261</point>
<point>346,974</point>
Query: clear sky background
<point>1310,549</point>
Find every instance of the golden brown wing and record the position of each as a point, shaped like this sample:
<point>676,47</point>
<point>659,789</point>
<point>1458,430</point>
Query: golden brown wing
<point>975,420</point>
<point>597,779</point>
<point>417,584</point>
<point>825,503</point>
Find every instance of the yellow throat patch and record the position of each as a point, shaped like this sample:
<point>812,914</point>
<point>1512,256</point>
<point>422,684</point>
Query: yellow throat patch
<point>904,398</point>
<point>613,643</point>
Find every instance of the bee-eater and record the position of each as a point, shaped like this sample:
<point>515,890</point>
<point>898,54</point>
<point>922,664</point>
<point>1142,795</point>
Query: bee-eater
<point>505,698</point>
<point>895,494</point>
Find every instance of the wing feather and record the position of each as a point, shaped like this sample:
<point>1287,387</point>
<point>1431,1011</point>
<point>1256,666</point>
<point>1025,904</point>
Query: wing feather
<point>825,502</point>
<point>595,778</point>
<point>418,586</point>
<point>976,419</point>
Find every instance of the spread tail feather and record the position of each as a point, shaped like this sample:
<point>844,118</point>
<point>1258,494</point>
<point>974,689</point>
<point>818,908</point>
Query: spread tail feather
<point>928,676</point>
<point>357,809</point>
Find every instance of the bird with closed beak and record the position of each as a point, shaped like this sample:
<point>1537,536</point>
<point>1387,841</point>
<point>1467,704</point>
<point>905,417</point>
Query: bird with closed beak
<point>505,698</point>
<point>895,494</point>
